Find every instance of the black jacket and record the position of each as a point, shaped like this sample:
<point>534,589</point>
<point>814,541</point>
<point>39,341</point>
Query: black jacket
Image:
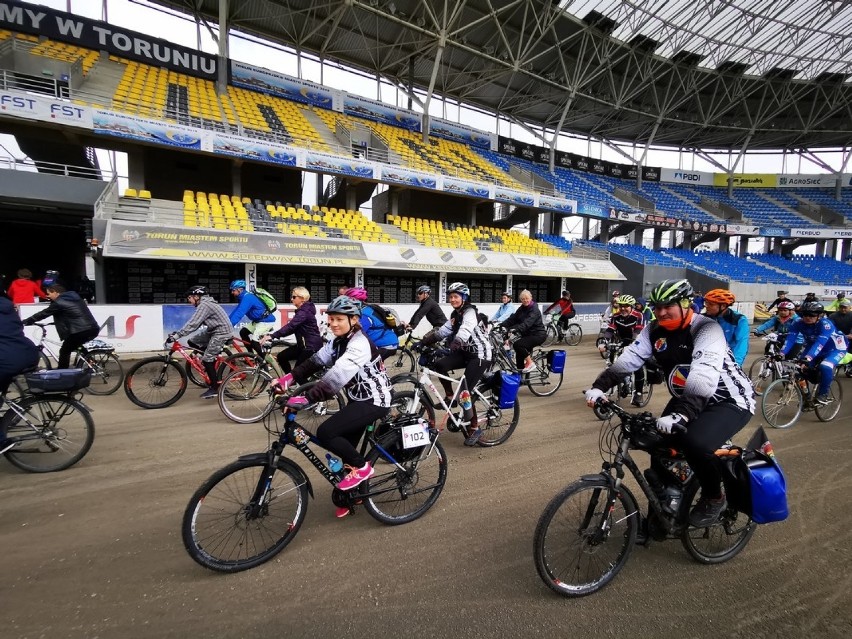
<point>527,321</point>
<point>432,311</point>
<point>70,314</point>
<point>16,351</point>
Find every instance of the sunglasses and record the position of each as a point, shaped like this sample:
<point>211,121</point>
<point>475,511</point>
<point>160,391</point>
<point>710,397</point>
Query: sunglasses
<point>292,297</point>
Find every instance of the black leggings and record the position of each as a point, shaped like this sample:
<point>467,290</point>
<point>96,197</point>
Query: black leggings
<point>341,432</point>
<point>296,352</point>
<point>523,347</point>
<point>72,343</point>
<point>474,369</point>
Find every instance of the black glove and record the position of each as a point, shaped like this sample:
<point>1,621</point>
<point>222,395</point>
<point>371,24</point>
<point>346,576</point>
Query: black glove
<point>172,337</point>
<point>456,345</point>
<point>429,338</point>
<point>28,322</point>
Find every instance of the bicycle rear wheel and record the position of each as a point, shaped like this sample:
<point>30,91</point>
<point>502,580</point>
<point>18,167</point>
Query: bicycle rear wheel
<point>155,382</point>
<point>721,541</point>
<point>761,373</point>
<point>573,334</point>
<point>782,403</point>
<point>54,433</point>
<point>240,517</point>
<point>400,362</point>
<point>244,395</point>
<point>827,412</point>
<point>497,424</point>
<point>404,489</point>
<point>584,537</point>
<point>107,372</point>
<point>552,335</point>
<point>542,382</point>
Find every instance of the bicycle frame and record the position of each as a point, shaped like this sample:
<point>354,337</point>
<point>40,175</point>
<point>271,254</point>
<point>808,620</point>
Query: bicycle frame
<point>425,381</point>
<point>44,346</point>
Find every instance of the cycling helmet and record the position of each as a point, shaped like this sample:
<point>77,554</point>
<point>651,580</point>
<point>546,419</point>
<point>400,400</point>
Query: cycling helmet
<point>356,293</point>
<point>786,306</point>
<point>344,305</point>
<point>812,309</point>
<point>198,289</point>
<point>626,300</point>
<point>506,294</point>
<point>616,293</point>
<point>720,296</point>
<point>424,289</point>
<point>461,289</point>
<point>566,293</point>
<point>669,291</point>
<point>840,296</point>
<point>237,284</point>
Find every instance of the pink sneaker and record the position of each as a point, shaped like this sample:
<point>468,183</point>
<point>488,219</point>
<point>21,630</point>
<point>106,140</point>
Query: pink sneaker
<point>341,512</point>
<point>356,476</point>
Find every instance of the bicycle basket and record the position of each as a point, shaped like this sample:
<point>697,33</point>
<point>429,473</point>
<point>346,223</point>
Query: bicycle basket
<point>98,345</point>
<point>60,380</point>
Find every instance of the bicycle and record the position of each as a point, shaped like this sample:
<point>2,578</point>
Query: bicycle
<point>96,355</point>
<point>765,370</point>
<point>571,335</point>
<point>785,399</point>
<point>248,511</point>
<point>494,421</point>
<point>405,358</point>
<point>625,388</point>
<point>160,381</point>
<point>541,381</point>
<point>235,349</point>
<point>48,429</point>
<point>588,530</point>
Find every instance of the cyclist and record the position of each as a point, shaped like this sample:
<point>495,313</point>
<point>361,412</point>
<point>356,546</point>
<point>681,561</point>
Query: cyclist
<point>824,346</point>
<point>835,303</point>
<point>469,347</point>
<point>842,319</point>
<point>74,322</point>
<point>303,325</point>
<point>505,309</point>
<point>782,297</point>
<point>780,323</point>
<point>356,366</point>
<point>642,307</point>
<point>566,310</point>
<point>627,324</point>
<point>219,331</point>
<point>251,306</point>
<point>526,322</point>
<point>375,328</point>
<point>609,311</point>
<point>717,304</point>
<point>716,401</point>
<point>428,308</point>
<point>17,352</point>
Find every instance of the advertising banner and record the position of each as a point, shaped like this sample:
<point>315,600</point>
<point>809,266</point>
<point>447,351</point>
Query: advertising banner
<point>326,163</point>
<point>519,198</point>
<point>821,233</point>
<point>567,267</point>
<point>591,209</point>
<point>774,231</point>
<point>102,36</point>
<point>742,229</point>
<point>131,239</point>
<point>559,204</point>
<point>36,107</point>
<point>157,131</point>
<point>747,180</point>
<point>380,112</point>
<point>463,187</point>
<point>667,221</point>
<point>416,179</point>
<point>461,133</point>
<point>265,81</point>
<point>257,150</point>
<point>799,181</point>
<point>681,176</point>
<point>421,258</point>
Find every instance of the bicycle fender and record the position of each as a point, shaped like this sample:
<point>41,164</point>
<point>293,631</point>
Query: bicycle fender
<point>282,461</point>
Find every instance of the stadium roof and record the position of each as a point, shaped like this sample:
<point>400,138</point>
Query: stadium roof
<point>740,74</point>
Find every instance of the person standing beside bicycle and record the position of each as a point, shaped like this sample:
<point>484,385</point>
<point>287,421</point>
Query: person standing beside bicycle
<point>429,308</point>
<point>356,366</point>
<point>505,310</point>
<point>566,310</point>
<point>626,326</point>
<point>251,306</point>
<point>74,322</point>
<point>780,323</point>
<point>824,346</point>
<point>219,331</point>
<point>717,304</point>
<point>528,324</point>
<point>303,325</point>
<point>470,348</point>
<point>716,401</point>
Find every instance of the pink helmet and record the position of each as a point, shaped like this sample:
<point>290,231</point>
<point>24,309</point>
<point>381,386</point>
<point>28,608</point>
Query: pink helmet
<point>785,306</point>
<point>358,293</point>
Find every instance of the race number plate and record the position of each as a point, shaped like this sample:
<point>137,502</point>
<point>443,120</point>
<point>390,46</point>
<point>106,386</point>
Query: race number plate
<point>415,436</point>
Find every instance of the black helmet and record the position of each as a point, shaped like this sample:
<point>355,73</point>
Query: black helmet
<point>812,309</point>
<point>566,293</point>
<point>669,291</point>
<point>198,289</point>
<point>506,294</point>
<point>424,289</point>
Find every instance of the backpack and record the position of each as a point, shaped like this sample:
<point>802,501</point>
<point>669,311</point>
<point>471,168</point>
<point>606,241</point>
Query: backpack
<point>389,317</point>
<point>268,301</point>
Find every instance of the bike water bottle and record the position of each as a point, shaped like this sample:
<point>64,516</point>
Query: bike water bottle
<point>334,464</point>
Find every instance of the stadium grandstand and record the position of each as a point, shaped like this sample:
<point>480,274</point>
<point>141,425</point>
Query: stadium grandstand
<point>241,170</point>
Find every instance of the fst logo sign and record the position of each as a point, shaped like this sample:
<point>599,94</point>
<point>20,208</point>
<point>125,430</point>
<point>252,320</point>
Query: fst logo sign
<point>45,109</point>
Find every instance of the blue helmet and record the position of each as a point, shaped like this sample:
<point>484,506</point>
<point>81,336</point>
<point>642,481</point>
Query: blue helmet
<point>237,284</point>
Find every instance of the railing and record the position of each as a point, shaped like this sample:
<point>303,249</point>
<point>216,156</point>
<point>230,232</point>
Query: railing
<point>68,170</point>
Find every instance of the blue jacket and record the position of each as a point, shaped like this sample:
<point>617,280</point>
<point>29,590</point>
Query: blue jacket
<point>375,329</point>
<point>504,312</point>
<point>736,328</point>
<point>782,328</point>
<point>249,305</point>
<point>821,339</point>
<point>17,352</point>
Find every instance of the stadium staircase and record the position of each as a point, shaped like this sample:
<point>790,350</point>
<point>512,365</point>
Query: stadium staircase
<point>321,127</point>
<point>102,82</point>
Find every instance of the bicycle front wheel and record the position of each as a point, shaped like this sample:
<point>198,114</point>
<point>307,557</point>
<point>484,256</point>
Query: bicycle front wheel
<point>782,403</point>
<point>552,335</point>
<point>107,372</point>
<point>241,517</point>
<point>155,382</point>
<point>497,424</point>
<point>585,536</point>
<point>244,395</point>
<point>827,412</point>
<point>53,433</point>
<point>541,381</point>
<point>761,373</point>
<point>721,541</point>
<point>574,334</point>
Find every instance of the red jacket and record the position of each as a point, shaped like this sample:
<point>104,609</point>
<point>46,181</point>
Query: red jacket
<point>23,291</point>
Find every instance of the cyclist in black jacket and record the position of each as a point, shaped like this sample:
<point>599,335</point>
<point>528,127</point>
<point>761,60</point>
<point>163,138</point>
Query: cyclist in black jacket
<point>429,309</point>
<point>527,322</point>
<point>626,325</point>
<point>74,322</point>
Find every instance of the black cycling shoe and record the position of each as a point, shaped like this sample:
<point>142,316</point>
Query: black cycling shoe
<point>706,512</point>
<point>637,400</point>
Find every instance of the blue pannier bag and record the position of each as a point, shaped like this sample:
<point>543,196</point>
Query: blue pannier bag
<point>556,361</point>
<point>754,482</point>
<point>509,386</point>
